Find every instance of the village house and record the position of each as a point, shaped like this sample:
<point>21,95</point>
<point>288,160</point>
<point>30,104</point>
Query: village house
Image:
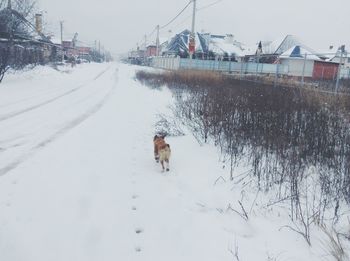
<point>303,63</point>
<point>207,46</point>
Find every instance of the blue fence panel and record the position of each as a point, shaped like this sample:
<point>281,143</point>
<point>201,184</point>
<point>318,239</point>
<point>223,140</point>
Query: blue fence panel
<point>227,66</point>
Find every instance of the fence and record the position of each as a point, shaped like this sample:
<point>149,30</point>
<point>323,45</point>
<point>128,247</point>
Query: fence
<point>175,63</point>
<point>169,63</point>
<point>315,74</point>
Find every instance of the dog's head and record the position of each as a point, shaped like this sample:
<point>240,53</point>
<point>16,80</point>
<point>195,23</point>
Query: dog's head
<point>158,136</point>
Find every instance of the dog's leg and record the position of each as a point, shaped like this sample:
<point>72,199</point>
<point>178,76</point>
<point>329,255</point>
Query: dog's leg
<point>156,155</point>
<point>167,165</point>
<point>162,162</point>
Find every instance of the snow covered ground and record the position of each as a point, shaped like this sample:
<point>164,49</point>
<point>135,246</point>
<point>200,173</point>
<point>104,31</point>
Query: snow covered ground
<point>78,181</point>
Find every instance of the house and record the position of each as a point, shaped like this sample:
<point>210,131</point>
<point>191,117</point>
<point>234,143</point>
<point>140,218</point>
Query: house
<point>151,50</point>
<point>299,61</point>
<point>338,57</point>
<point>303,63</point>
<point>207,46</point>
<point>178,45</point>
<point>220,47</point>
<point>269,51</point>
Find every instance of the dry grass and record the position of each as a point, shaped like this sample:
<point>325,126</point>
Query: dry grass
<point>283,131</point>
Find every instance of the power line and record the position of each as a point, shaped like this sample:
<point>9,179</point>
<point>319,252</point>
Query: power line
<point>172,20</point>
<point>150,34</point>
<point>198,10</point>
<point>209,5</point>
<point>183,10</point>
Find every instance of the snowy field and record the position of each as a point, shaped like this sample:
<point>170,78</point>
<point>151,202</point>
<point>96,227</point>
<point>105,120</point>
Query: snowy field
<point>78,181</point>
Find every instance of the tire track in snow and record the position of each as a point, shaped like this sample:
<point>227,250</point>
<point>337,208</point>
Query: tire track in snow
<point>14,114</point>
<point>68,126</point>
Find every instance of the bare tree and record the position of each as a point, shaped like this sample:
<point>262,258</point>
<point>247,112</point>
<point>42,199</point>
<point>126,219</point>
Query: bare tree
<point>15,23</point>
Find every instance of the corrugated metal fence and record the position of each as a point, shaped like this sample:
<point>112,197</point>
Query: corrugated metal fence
<point>294,73</point>
<point>176,63</point>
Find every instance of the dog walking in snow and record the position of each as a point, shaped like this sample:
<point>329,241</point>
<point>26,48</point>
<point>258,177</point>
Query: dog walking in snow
<point>161,151</point>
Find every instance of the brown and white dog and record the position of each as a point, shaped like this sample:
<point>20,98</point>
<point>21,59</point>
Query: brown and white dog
<point>161,151</point>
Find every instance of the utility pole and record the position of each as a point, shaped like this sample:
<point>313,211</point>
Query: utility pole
<point>145,51</point>
<point>342,51</point>
<point>61,26</point>
<point>193,33</point>
<point>9,5</point>
<point>157,41</point>
<point>303,72</point>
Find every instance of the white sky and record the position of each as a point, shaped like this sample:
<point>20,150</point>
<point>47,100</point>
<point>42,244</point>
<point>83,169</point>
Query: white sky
<point>119,25</point>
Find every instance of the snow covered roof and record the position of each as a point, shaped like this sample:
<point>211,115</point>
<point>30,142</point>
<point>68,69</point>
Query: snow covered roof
<point>179,43</point>
<point>55,40</point>
<point>298,52</point>
<point>281,45</point>
<point>221,44</point>
<point>206,42</point>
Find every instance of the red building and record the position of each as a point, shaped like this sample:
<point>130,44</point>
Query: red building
<point>67,44</point>
<point>151,50</point>
<point>83,50</point>
<point>325,70</point>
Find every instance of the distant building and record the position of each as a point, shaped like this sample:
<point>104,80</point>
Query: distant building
<point>339,58</point>
<point>207,46</point>
<point>269,51</point>
<point>302,62</point>
<point>151,50</point>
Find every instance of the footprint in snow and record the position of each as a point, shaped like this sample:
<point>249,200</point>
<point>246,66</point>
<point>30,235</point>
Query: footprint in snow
<point>138,249</point>
<point>139,230</point>
<point>135,196</point>
<point>134,208</point>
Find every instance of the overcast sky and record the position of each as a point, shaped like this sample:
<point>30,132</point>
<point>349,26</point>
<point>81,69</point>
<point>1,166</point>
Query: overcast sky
<point>121,24</point>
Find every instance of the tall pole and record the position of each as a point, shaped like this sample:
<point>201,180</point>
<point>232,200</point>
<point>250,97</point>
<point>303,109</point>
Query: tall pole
<point>303,72</point>
<point>157,42</point>
<point>193,34</point>
<point>342,48</point>
<point>9,5</point>
<point>145,51</point>
<point>61,26</point>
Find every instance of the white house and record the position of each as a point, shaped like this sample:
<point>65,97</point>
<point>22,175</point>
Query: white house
<point>299,61</point>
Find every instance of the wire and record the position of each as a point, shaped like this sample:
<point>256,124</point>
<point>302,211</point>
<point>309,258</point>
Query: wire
<point>150,34</point>
<point>209,5</point>
<point>198,10</point>
<point>172,20</point>
<point>183,10</point>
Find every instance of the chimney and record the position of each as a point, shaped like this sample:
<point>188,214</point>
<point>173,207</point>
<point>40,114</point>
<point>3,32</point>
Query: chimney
<point>39,23</point>
<point>229,38</point>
